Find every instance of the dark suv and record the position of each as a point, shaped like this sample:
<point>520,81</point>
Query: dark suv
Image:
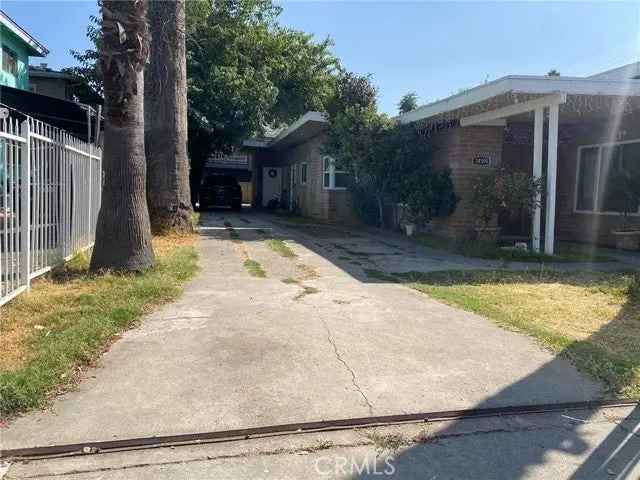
<point>218,190</point>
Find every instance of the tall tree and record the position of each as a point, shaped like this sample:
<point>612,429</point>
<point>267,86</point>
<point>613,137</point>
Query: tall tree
<point>165,112</point>
<point>408,102</point>
<point>123,237</point>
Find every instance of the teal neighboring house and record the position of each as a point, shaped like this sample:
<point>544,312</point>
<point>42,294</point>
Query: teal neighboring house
<point>17,46</point>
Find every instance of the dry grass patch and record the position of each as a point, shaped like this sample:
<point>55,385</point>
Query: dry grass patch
<point>591,318</point>
<point>70,316</point>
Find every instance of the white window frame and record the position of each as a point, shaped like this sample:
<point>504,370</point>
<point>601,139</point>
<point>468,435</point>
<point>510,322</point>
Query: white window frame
<point>596,187</point>
<point>303,173</point>
<point>12,53</point>
<point>332,173</point>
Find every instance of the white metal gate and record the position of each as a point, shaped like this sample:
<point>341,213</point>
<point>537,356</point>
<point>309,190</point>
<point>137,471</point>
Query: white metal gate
<point>50,185</point>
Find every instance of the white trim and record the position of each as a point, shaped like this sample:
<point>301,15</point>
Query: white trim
<point>12,295</point>
<point>332,174</point>
<point>552,175</point>
<point>307,117</point>
<point>81,152</point>
<point>37,136</point>
<point>15,138</point>
<point>619,73</point>
<point>538,139</point>
<point>515,109</point>
<point>597,179</point>
<point>524,84</point>
<point>252,142</point>
<point>23,35</point>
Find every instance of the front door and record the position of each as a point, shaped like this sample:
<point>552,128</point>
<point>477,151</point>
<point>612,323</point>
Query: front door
<point>271,184</point>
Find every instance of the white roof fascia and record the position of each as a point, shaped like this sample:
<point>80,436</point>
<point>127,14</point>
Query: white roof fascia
<point>619,73</point>
<point>513,109</point>
<point>20,32</point>
<point>252,142</point>
<point>525,84</point>
<point>307,117</point>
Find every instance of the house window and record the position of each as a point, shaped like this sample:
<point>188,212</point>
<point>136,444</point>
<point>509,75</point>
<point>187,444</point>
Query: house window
<point>598,169</point>
<point>9,61</point>
<point>335,176</point>
<point>303,174</point>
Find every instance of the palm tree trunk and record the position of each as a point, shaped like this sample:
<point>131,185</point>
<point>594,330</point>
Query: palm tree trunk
<point>123,237</point>
<point>165,106</point>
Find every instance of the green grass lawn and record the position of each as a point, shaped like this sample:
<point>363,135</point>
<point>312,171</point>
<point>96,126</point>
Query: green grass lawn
<point>593,319</point>
<point>492,251</point>
<point>70,317</point>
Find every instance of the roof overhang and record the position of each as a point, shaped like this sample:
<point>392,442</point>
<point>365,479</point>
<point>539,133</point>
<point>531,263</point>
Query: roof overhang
<point>37,49</point>
<point>306,127</point>
<point>528,86</point>
<point>50,74</point>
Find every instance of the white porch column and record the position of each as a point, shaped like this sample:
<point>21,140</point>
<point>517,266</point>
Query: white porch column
<point>537,173</point>
<point>552,167</point>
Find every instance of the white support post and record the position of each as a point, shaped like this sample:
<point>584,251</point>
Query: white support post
<point>552,167</point>
<point>25,206</point>
<point>537,173</point>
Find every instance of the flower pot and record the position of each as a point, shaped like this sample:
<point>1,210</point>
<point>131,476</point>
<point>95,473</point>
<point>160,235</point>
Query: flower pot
<point>410,229</point>
<point>627,239</point>
<point>487,234</point>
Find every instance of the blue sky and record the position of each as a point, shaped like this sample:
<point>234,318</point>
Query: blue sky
<point>432,48</point>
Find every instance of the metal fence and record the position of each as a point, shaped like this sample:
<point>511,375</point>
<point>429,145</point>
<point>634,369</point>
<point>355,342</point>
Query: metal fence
<point>50,184</point>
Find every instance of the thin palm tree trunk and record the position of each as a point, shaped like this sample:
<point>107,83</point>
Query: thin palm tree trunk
<point>165,105</point>
<point>123,236</point>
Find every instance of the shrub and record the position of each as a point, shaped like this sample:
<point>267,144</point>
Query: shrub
<point>505,190</point>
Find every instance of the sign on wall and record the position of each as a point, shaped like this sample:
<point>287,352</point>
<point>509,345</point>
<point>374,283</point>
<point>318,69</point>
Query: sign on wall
<point>482,160</point>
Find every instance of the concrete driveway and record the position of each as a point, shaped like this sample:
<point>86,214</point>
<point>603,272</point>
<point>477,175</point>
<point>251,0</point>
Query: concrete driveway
<point>316,339</point>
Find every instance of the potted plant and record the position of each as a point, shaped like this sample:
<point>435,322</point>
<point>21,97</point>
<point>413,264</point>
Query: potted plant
<point>623,196</point>
<point>410,220</point>
<point>503,191</point>
<point>485,203</point>
<point>427,196</point>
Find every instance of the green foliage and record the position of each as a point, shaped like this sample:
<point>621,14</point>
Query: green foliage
<point>504,190</point>
<point>414,181</point>
<point>553,73</point>
<point>246,72</point>
<point>408,102</point>
<point>388,161</point>
<point>352,91</point>
<point>88,61</point>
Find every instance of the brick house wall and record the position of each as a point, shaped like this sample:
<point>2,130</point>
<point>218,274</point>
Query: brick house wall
<point>571,225</point>
<point>456,148</point>
<point>311,199</point>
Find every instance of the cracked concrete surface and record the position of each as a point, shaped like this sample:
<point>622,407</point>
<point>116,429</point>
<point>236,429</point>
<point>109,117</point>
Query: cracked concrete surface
<point>237,351</point>
<point>588,445</point>
<point>354,381</point>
